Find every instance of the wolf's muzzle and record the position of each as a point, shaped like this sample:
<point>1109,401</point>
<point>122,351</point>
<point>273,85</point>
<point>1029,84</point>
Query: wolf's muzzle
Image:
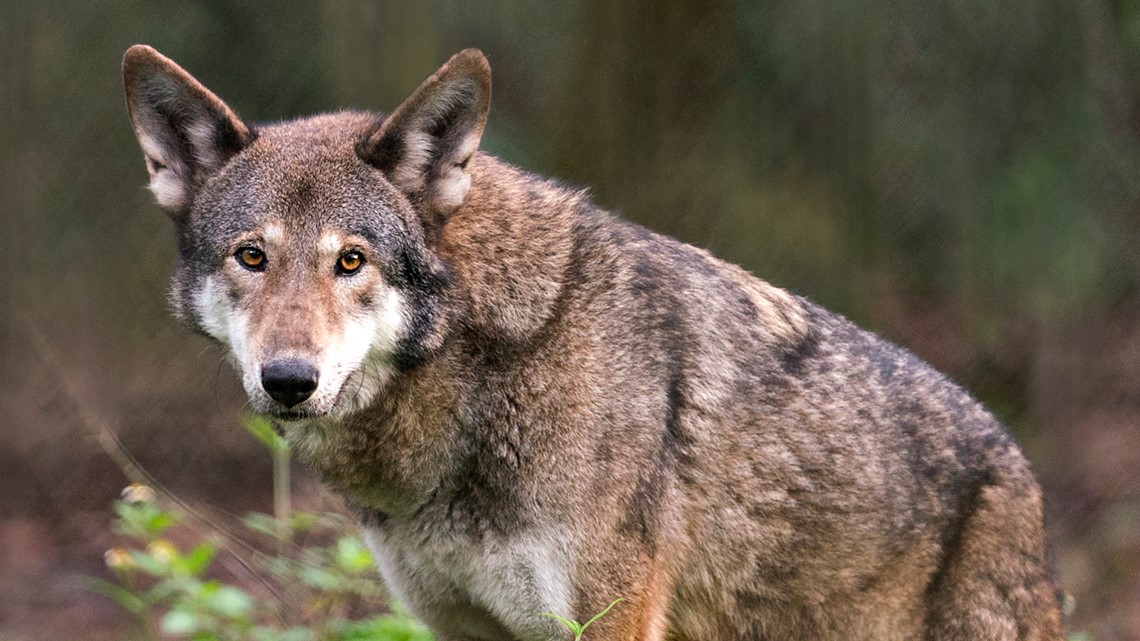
<point>289,381</point>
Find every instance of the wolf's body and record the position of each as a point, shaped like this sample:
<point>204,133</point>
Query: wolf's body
<point>537,407</point>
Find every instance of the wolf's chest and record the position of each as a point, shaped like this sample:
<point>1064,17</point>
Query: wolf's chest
<point>490,589</point>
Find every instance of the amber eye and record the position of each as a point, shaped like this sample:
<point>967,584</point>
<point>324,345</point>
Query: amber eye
<point>349,262</point>
<point>251,258</point>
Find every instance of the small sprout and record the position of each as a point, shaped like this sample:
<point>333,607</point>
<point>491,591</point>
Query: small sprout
<point>117,559</point>
<point>138,493</point>
<point>580,628</point>
<point>162,550</point>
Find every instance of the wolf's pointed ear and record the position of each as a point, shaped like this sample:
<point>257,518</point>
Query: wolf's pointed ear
<point>427,145</point>
<point>186,132</point>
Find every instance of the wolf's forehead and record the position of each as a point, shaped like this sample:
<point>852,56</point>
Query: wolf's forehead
<point>304,152</point>
<point>311,239</point>
<point>307,172</point>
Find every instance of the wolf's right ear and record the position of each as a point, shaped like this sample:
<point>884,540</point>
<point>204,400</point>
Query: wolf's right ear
<point>426,147</point>
<point>186,132</point>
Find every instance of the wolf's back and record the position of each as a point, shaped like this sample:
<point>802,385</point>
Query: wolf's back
<point>807,461</point>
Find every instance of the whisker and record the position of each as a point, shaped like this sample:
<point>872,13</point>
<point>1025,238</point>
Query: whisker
<point>360,382</point>
<point>217,378</point>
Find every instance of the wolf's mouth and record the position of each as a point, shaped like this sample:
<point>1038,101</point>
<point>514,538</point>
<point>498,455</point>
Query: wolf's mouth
<point>294,414</point>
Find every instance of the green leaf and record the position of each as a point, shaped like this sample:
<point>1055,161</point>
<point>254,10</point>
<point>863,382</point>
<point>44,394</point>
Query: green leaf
<point>160,522</point>
<point>574,626</point>
<point>162,590</point>
<point>197,560</point>
<point>351,556</point>
<point>149,564</point>
<point>181,622</point>
<point>320,578</point>
<point>579,628</point>
<point>142,520</point>
<point>600,614</point>
<point>263,523</point>
<point>388,627</point>
<point>303,521</point>
<point>120,595</point>
<point>263,430</point>
<point>230,602</point>
<point>297,633</point>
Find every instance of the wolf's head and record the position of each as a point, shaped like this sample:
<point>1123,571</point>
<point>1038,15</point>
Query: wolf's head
<point>306,247</point>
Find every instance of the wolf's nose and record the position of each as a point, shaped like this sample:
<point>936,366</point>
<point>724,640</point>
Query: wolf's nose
<point>289,382</point>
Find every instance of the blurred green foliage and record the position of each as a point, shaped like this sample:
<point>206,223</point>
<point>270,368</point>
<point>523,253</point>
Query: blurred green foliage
<point>306,593</point>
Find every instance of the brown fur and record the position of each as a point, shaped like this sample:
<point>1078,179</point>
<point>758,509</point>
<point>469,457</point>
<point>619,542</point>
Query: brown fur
<point>578,409</point>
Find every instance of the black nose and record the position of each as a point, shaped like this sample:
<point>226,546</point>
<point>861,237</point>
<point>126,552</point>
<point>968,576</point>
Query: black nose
<point>290,381</point>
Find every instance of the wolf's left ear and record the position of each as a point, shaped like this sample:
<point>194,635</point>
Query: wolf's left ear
<point>427,145</point>
<point>186,132</point>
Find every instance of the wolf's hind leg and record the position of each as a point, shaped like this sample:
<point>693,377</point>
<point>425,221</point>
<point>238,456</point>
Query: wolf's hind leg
<point>994,581</point>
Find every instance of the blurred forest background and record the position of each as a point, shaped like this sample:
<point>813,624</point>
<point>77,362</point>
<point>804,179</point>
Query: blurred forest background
<point>961,176</point>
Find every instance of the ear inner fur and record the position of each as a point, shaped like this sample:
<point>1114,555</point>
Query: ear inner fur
<point>186,131</point>
<point>426,146</point>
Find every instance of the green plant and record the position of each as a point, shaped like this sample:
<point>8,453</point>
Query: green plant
<point>294,576</point>
<point>290,576</point>
<point>580,628</point>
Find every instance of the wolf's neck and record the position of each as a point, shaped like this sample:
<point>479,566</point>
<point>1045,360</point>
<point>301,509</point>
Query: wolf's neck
<point>511,245</point>
<point>512,250</point>
<point>364,455</point>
